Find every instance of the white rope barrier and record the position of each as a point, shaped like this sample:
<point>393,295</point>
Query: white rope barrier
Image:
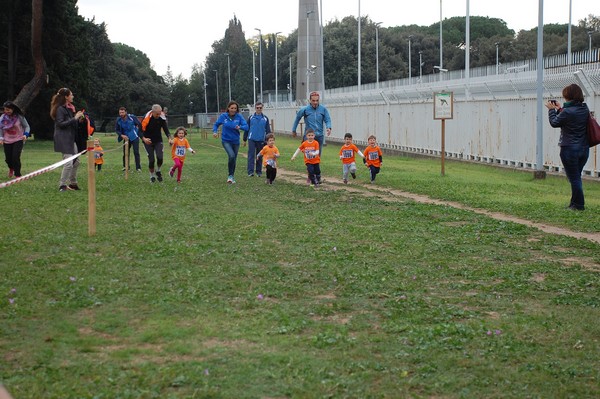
<point>41,171</point>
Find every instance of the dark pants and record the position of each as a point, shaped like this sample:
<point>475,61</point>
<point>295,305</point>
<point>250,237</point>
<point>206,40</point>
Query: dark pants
<point>12,153</point>
<point>98,167</point>
<point>314,173</point>
<point>574,159</point>
<point>136,153</point>
<point>374,171</point>
<point>254,148</point>
<point>271,173</point>
<point>151,149</point>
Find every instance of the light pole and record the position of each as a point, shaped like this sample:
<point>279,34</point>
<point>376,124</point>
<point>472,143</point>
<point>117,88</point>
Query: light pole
<point>420,66</point>
<point>497,57</point>
<point>253,78</point>
<point>205,102</point>
<point>377,52</point>
<point>290,84</point>
<point>276,96</point>
<point>409,59</point>
<point>569,34</point>
<point>229,75</point>
<point>359,50</point>
<point>217,79</point>
<point>260,62</point>
<point>590,33</point>
<point>307,59</point>
<point>441,41</point>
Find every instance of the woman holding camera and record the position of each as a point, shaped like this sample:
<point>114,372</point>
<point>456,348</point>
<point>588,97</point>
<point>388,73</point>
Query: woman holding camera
<point>572,118</point>
<point>66,122</point>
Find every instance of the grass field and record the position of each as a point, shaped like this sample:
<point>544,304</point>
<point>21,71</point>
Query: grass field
<point>209,290</point>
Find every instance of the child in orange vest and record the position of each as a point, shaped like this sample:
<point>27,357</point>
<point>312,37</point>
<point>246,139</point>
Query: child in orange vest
<point>347,155</point>
<point>270,153</point>
<point>180,145</point>
<point>312,160</point>
<point>373,157</point>
<point>98,155</point>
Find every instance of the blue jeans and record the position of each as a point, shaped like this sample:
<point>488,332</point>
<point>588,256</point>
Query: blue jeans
<point>254,148</point>
<point>574,158</point>
<point>232,150</point>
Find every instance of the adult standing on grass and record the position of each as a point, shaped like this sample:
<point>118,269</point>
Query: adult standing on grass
<point>315,116</point>
<point>572,118</point>
<point>14,130</point>
<point>127,128</point>
<point>258,128</point>
<point>153,123</point>
<point>66,123</point>
<point>232,122</point>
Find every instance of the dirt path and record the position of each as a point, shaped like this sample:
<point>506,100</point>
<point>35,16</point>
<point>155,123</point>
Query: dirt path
<point>396,195</point>
<point>388,194</point>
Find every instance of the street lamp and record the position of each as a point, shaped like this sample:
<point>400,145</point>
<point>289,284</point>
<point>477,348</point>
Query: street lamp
<point>290,84</point>
<point>260,62</point>
<point>359,50</point>
<point>377,52</point>
<point>497,64</point>
<point>307,59</point>
<point>217,79</point>
<point>276,97</point>
<point>569,35</point>
<point>228,75</point>
<point>409,59</point>
<point>420,66</point>
<point>205,102</point>
<point>441,41</point>
<point>253,78</point>
<point>590,33</point>
<point>439,68</point>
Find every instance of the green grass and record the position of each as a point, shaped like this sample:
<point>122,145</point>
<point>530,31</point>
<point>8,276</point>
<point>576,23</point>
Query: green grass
<point>252,291</point>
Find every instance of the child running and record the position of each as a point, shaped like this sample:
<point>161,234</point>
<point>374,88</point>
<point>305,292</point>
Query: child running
<point>373,157</point>
<point>312,160</point>
<point>180,144</point>
<point>347,155</point>
<point>98,155</point>
<point>269,153</point>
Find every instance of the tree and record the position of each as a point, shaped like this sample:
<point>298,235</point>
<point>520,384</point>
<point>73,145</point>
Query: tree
<point>33,87</point>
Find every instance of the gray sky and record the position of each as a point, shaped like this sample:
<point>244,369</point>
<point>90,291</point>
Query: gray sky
<point>180,33</point>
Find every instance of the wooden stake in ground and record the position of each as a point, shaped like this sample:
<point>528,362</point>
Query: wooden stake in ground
<point>91,189</point>
<point>126,158</point>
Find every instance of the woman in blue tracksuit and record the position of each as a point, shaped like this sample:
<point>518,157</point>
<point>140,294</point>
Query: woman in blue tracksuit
<point>232,122</point>
<point>572,119</point>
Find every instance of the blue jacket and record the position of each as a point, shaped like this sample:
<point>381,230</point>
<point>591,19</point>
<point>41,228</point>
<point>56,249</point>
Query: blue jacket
<point>258,128</point>
<point>229,133</point>
<point>314,118</point>
<point>129,127</point>
<point>572,120</point>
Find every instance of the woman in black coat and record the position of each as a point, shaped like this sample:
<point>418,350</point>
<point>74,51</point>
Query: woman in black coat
<point>572,118</point>
<point>66,122</point>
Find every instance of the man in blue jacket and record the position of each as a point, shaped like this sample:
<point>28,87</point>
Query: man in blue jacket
<point>315,116</point>
<point>258,128</point>
<point>127,127</point>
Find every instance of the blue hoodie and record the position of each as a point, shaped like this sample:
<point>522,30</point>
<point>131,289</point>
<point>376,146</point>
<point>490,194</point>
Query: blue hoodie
<point>229,133</point>
<point>129,127</point>
<point>258,128</point>
<point>313,119</point>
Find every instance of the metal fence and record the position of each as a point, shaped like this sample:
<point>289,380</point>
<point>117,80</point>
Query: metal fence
<point>494,116</point>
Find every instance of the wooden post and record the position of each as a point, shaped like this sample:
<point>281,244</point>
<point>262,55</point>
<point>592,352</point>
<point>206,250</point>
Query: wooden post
<point>126,158</point>
<point>443,146</point>
<point>91,189</point>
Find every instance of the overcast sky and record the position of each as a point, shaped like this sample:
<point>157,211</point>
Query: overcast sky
<point>180,33</point>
